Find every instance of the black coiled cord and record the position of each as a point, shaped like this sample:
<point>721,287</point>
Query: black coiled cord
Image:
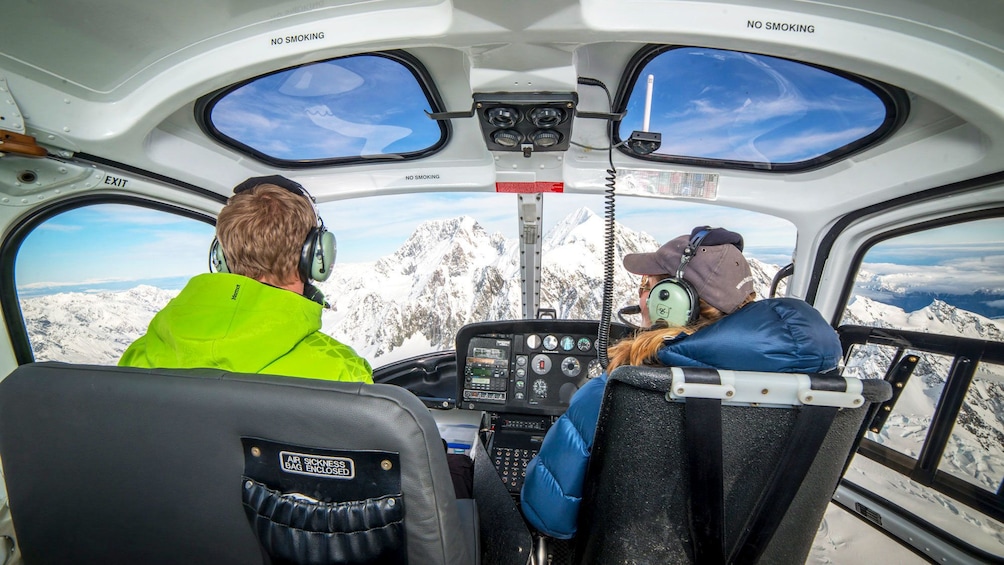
<point>609,240</point>
<point>603,335</point>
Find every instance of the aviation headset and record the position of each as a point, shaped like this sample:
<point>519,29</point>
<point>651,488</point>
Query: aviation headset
<point>674,300</point>
<point>317,255</point>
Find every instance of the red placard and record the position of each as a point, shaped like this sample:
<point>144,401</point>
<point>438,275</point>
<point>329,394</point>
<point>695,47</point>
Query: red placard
<point>539,186</point>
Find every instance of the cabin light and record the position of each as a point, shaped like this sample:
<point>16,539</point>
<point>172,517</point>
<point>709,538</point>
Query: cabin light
<point>502,116</point>
<point>507,137</point>
<point>545,138</point>
<point>546,117</point>
<point>524,121</point>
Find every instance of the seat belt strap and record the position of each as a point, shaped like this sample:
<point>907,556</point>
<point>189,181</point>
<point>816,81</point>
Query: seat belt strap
<point>703,422</point>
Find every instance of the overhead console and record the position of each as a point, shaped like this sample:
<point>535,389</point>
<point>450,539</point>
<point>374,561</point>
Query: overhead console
<point>527,366</point>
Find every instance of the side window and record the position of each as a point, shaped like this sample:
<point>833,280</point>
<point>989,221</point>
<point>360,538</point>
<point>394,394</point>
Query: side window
<point>974,451</point>
<point>90,279</point>
<point>925,313</point>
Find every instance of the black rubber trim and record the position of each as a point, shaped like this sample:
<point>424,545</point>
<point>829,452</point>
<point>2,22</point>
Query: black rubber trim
<point>98,160</point>
<point>968,353</point>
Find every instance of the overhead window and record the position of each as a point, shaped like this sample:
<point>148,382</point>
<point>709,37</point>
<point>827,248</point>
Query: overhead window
<point>352,109</point>
<point>742,110</point>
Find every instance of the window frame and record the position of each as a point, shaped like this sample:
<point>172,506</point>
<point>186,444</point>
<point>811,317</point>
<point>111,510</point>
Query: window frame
<point>204,107</point>
<point>967,354</point>
<point>10,303</point>
<point>896,101</point>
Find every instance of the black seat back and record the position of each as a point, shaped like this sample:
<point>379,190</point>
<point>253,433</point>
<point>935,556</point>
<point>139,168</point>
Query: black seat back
<point>654,495</point>
<point>122,465</point>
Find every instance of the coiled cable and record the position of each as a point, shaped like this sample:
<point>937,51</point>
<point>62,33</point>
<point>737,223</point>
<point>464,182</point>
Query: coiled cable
<point>609,239</point>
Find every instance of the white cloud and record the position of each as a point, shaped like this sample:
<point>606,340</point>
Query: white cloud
<point>959,276</point>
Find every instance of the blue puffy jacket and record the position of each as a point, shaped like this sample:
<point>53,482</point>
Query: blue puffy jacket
<point>780,335</point>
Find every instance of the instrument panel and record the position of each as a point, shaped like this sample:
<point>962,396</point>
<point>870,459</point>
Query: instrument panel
<point>527,366</point>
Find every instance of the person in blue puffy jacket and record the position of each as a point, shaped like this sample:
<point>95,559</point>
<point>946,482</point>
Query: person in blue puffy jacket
<point>697,300</point>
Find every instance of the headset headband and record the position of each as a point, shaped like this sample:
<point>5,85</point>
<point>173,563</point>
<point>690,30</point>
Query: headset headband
<point>695,241</point>
<point>278,180</point>
<point>284,183</point>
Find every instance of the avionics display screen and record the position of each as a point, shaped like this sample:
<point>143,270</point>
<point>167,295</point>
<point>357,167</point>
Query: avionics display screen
<point>527,366</point>
<point>490,352</point>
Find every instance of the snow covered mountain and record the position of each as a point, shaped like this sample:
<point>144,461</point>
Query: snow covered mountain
<point>452,272</point>
<point>90,327</point>
<point>975,450</point>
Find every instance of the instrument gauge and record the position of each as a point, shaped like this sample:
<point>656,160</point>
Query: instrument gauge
<point>571,367</point>
<point>541,364</point>
<point>550,342</point>
<point>540,388</point>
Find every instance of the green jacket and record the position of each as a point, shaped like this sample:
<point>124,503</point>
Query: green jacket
<point>237,324</point>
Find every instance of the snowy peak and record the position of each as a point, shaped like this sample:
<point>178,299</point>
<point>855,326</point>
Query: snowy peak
<point>459,242</point>
<point>763,278</point>
<point>584,230</point>
<point>581,224</point>
<point>938,317</point>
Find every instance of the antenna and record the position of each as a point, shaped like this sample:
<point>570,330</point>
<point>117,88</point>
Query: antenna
<point>648,102</point>
<point>644,142</point>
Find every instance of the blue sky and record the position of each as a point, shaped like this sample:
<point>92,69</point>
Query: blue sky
<point>362,105</point>
<point>112,242</point>
<point>706,103</point>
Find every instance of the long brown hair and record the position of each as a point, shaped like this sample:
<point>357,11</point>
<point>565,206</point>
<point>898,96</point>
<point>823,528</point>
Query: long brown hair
<point>642,347</point>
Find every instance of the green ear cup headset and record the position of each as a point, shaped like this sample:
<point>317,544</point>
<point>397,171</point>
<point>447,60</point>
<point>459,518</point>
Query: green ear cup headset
<point>317,256</point>
<point>674,300</point>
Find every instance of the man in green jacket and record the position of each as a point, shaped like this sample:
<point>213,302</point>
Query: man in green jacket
<point>258,313</point>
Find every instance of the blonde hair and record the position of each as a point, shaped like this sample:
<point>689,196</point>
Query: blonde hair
<point>262,232</point>
<point>642,348</point>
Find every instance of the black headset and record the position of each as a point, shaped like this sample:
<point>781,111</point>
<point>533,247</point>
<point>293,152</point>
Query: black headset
<point>674,300</point>
<point>317,256</point>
